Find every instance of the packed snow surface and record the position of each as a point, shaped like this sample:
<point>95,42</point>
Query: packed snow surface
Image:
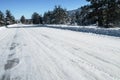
<point>41,53</point>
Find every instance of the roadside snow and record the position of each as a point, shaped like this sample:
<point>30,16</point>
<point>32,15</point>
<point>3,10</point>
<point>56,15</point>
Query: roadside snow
<point>90,29</point>
<point>2,27</point>
<point>75,26</point>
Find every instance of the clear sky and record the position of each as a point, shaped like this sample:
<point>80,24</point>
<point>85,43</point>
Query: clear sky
<point>27,7</point>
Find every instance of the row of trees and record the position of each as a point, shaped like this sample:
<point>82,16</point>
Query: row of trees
<point>104,13</point>
<point>6,18</point>
<point>57,16</point>
<point>35,19</point>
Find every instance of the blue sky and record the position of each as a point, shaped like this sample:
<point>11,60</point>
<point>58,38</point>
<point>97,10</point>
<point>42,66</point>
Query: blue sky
<point>27,7</point>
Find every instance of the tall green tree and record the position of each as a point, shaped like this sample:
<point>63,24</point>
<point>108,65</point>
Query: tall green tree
<point>2,18</point>
<point>112,12</point>
<point>23,20</point>
<point>60,15</point>
<point>36,18</point>
<point>97,6</point>
<point>106,12</point>
<point>9,17</point>
<point>47,18</point>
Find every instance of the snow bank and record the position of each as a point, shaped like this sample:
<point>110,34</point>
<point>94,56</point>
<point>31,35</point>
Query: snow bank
<point>62,25</point>
<point>20,25</point>
<point>2,27</point>
<point>90,29</point>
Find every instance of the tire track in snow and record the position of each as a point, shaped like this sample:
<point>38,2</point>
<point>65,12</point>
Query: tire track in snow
<point>87,60</point>
<point>11,62</point>
<point>84,61</point>
<point>48,56</point>
<point>86,48</point>
<point>90,65</point>
<point>4,49</point>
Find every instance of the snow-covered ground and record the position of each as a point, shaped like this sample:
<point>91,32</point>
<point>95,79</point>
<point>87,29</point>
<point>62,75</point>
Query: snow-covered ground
<point>41,53</point>
<point>90,29</point>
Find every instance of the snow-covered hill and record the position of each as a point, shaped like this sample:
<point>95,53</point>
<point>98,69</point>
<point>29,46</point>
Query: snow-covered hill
<point>41,53</point>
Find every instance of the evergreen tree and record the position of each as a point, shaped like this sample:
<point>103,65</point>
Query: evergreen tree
<point>112,12</point>
<point>36,18</point>
<point>117,14</point>
<point>106,12</point>
<point>48,17</point>
<point>73,19</point>
<point>82,16</point>
<point>60,15</point>
<point>2,18</point>
<point>57,16</point>
<point>23,20</point>
<point>13,19</point>
<point>9,17</point>
<point>97,12</point>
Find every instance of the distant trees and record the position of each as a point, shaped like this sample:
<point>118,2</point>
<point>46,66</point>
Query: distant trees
<point>106,12</point>
<point>6,18</point>
<point>81,16</point>
<point>10,19</point>
<point>57,16</point>
<point>47,18</point>
<point>36,18</point>
<point>23,20</point>
<point>2,18</point>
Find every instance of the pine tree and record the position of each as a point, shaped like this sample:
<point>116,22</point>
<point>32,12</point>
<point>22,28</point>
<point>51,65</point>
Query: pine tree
<point>106,12</point>
<point>9,17</point>
<point>2,18</point>
<point>36,18</point>
<point>82,16</point>
<point>13,19</point>
<point>60,15</point>
<point>112,12</point>
<point>97,6</point>
<point>47,17</point>
<point>23,20</point>
<point>117,14</point>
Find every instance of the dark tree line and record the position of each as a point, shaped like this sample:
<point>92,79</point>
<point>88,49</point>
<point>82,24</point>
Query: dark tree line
<point>57,16</point>
<point>23,19</point>
<point>6,18</point>
<point>35,19</point>
<point>104,13</point>
<point>2,18</point>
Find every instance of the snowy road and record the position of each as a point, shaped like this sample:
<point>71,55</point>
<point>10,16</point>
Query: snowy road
<point>54,54</point>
